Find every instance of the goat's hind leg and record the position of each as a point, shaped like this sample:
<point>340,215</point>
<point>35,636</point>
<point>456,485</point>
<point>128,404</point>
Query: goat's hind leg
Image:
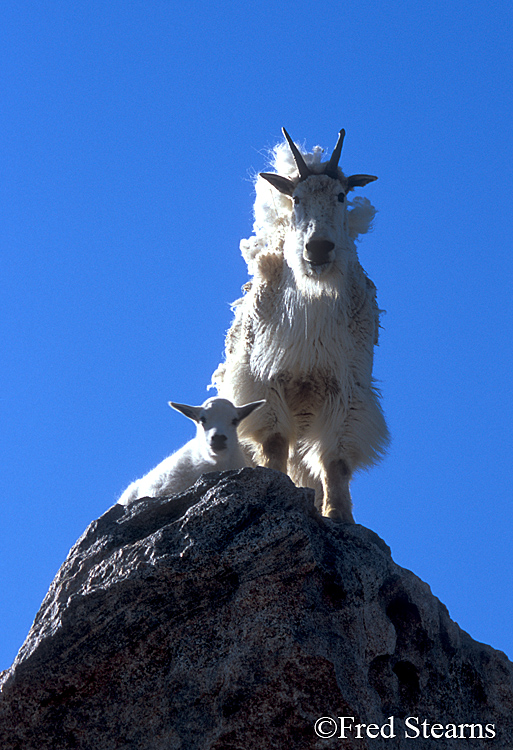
<point>337,497</point>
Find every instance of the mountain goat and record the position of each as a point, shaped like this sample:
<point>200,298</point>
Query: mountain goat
<point>214,448</point>
<point>304,332</point>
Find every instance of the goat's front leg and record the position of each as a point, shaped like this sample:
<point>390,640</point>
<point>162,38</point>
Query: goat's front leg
<point>336,495</point>
<point>275,452</point>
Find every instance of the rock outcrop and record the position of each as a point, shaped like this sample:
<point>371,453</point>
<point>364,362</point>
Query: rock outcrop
<point>234,617</point>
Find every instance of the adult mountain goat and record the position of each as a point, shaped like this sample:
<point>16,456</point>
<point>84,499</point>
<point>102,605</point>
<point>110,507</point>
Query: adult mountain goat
<point>304,332</point>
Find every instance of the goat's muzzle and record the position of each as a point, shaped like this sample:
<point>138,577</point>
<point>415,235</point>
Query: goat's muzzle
<point>218,442</point>
<point>318,252</point>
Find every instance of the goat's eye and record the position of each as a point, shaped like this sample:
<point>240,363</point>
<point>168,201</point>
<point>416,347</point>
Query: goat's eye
<point>235,422</point>
<point>203,420</point>
<point>341,197</point>
<point>296,200</point>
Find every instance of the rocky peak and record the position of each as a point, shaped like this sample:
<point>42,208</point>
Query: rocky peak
<point>233,617</point>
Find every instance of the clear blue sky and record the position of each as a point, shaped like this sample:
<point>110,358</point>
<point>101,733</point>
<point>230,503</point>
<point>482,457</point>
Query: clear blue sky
<point>129,135</point>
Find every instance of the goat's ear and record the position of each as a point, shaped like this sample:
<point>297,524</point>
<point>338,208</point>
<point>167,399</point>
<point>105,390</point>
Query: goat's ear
<point>245,411</point>
<point>283,184</point>
<point>193,412</point>
<point>359,180</point>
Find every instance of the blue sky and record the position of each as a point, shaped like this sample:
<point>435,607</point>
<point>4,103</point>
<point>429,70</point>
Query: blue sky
<point>130,134</point>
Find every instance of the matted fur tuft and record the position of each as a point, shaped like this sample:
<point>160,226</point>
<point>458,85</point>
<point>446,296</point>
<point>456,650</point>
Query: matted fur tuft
<point>360,216</point>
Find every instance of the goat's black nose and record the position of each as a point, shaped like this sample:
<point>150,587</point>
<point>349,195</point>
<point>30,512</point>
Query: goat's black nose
<point>317,252</point>
<point>218,442</point>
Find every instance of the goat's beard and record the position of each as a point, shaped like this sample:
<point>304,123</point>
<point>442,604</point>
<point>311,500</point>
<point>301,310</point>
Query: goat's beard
<point>326,280</point>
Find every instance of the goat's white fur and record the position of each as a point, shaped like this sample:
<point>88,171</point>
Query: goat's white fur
<point>214,448</point>
<point>303,335</point>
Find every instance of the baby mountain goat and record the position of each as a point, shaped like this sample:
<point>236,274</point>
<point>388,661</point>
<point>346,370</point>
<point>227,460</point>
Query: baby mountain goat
<point>304,332</point>
<point>214,448</point>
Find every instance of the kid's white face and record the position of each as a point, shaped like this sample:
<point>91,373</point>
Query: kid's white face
<point>217,421</point>
<point>219,427</point>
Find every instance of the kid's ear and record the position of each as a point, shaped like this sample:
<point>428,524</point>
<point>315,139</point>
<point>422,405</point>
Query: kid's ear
<point>245,411</point>
<point>193,412</point>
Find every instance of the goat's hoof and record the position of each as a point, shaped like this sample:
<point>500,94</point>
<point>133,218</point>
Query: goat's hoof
<point>337,515</point>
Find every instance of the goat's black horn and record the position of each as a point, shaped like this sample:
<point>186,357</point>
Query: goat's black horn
<point>303,170</point>
<point>332,166</point>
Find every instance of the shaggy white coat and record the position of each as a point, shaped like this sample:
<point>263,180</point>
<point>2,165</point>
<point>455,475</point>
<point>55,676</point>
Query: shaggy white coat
<point>303,337</point>
<point>214,448</point>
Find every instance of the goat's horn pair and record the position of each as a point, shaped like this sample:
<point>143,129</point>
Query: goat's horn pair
<point>303,170</point>
<point>332,167</point>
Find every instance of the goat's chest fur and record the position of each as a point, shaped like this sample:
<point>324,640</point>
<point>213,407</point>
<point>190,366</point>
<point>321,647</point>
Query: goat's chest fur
<point>312,344</point>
